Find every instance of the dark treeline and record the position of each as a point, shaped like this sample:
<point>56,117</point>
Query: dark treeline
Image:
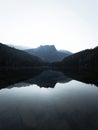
<point>17,65</point>
<point>86,60</point>
<point>11,57</point>
<point>81,66</point>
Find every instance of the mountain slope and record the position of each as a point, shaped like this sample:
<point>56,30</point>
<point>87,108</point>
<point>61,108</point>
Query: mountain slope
<point>86,60</point>
<point>11,57</point>
<point>48,53</point>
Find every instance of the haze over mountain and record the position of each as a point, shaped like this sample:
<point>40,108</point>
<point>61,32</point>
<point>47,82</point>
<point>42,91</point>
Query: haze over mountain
<point>19,47</point>
<point>49,53</point>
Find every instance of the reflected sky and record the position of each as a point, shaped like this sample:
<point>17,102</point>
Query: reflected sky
<point>31,107</point>
<point>71,89</point>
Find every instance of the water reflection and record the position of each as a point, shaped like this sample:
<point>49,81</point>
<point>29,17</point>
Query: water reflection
<point>43,78</point>
<point>46,79</point>
<point>49,79</point>
<point>70,106</point>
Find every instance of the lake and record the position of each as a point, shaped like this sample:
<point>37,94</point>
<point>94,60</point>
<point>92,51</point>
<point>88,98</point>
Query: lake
<point>50,101</point>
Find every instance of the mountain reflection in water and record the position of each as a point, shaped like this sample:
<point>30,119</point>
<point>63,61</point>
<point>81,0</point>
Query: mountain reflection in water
<point>49,79</point>
<point>68,106</point>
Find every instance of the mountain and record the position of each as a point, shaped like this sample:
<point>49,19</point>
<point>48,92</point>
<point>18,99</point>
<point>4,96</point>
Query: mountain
<point>11,57</point>
<point>48,53</point>
<point>86,60</point>
<point>82,66</point>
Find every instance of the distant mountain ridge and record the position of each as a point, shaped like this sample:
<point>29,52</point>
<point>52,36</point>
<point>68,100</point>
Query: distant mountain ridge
<point>48,53</point>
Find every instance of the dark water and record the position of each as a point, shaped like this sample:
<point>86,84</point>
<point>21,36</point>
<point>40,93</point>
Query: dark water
<point>70,105</point>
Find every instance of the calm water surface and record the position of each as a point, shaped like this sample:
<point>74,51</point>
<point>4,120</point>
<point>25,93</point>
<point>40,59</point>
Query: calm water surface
<point>68,106</point>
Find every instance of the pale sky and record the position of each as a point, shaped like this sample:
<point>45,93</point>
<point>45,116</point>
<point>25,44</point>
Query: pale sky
<point>68,24</point>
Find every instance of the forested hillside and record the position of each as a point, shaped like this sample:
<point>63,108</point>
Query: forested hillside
<point>86,60</point>
<point>11,57</point>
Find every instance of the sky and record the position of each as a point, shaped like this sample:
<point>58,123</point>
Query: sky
<point>68,24</point>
